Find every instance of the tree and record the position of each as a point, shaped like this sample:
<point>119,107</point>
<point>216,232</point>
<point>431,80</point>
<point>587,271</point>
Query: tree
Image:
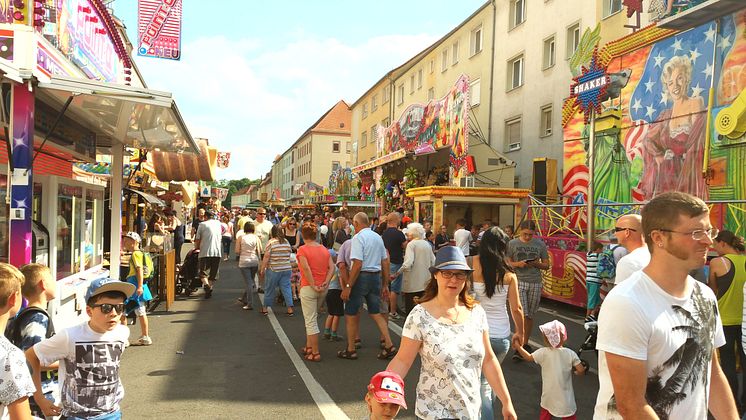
<point>233,186</point>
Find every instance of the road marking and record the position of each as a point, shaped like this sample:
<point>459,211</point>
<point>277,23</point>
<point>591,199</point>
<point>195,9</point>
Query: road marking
<point>565,317</point>
<point>327,406</point>
<point>398,331</point>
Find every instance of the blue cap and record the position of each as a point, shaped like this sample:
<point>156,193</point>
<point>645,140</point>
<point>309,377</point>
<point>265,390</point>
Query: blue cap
<point>107,284</point>
<point>450,258</point>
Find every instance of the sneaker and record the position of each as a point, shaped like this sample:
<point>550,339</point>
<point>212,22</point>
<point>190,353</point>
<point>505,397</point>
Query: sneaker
<point>395,316</point>
<point>145,341</point>
<point>248,307</point>
<point>327,335</point>
<point>590,318</point>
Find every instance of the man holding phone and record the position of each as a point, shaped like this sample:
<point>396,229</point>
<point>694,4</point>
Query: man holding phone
<point>528,256</point>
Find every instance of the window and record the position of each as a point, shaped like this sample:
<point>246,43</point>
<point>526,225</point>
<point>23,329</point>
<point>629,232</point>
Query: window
<point>386,94</point>
<point>347,146</point>
<point>364,139</point>
<point>419,79</point>
<point>573,39</point>
<point>475,92</point>
<point>401,95</point>
<point>517,12</point>
<point>432,66</point>
<point>335,147</point>
<point>335,166</point>
<point>455,53</point>
<point>431,94</point>
<point>475,44</point>
<point>386,122</point>
<point>365,110</point>
<point>411,83</point>
<point>374,134</point>
<point>515,72</point>
<point>513,134</point>
<point>546,121</point>
<point>612,7</point>
<point>549,51</point>
<point>374,103</point>
<point>444,60</point>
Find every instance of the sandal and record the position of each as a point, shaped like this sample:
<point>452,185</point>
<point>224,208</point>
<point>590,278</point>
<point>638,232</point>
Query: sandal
<point>387,353</point>
<point>346,354</point>
<point>305,351</point>
<point>383,344</point>
<point>358,343</point>
<point>313,357</point>
<point>264,312</point>
<point>289,314</point>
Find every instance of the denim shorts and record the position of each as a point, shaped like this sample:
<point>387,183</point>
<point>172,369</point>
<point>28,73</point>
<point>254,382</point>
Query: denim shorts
<point>367,287</point>
<point>395,285</point>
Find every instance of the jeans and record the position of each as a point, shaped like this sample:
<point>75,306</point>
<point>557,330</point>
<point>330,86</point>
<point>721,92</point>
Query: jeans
<point>500,346</point>
<point>226,240</point>
<point>273,280</point>
<point>728,354</point>
<point>248,278</point>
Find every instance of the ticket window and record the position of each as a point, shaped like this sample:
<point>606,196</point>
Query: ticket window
<point>93,246</point>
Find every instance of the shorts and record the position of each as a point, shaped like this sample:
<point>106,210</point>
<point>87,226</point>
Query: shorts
<point>368,288</point>
<point>395,285</point>
<point>334,304</point>
<point>594,294</point>
<point>209,265</point>
<point>530,294</point>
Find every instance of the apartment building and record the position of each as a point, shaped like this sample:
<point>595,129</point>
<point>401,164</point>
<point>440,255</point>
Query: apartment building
<point>323,148</point>
<point>285,183</point>
<point>534,40</point>
<point>430,76</point>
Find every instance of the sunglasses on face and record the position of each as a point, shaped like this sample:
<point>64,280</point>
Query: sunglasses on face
<point>622,229</point>
<point>459,275</point>
<point>106,308</point>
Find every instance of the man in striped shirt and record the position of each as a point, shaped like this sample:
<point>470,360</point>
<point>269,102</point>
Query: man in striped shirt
<point>592,281</point>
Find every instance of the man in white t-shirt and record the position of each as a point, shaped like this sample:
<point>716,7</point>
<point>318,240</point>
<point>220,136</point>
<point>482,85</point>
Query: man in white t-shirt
<point>462,237</point>
<point>659,330</point>
<point>628,231</point>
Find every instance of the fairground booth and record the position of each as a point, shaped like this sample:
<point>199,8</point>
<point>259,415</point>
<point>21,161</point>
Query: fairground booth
<point>668,114</point>
<point>435,162</point>
<point>70,92</point>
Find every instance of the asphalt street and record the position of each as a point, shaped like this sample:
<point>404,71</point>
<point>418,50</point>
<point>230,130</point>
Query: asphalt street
<point>212,360</point>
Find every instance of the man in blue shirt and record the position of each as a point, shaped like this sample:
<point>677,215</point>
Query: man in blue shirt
<point>368,280</point>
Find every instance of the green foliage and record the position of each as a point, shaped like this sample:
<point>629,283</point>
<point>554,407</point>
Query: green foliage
<point>583,54</point>
<point>233,186</point>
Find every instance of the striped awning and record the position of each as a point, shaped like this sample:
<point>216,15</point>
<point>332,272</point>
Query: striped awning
<point>186,166</point>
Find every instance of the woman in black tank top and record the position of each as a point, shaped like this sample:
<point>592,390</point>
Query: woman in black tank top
<point>292,233</point>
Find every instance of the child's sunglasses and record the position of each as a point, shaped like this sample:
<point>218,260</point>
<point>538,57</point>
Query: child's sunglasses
<point>108,307</point>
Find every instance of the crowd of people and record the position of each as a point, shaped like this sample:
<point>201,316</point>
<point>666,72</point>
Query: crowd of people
<point>669,345</point>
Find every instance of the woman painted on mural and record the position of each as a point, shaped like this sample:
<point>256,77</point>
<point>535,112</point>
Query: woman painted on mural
<point>674,145</point>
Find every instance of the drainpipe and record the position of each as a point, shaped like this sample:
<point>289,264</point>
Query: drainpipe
<point>492,73</point>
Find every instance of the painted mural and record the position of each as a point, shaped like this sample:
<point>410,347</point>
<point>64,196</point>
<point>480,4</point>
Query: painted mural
<point>659,144</point>
<point>344,183</point>
<point>423,129</point>
<point>661,9</point>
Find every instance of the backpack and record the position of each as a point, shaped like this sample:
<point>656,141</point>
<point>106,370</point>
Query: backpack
<point>147,264</point>
<point>13,332</point>
<point>606,264</point>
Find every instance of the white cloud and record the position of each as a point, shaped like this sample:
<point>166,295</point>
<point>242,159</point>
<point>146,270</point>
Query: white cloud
<point>255,101</point>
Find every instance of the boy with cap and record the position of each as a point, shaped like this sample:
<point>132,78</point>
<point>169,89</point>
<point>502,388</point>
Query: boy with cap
<point>89,353</point>
<point>15,381</point>
<point>385,396</point>
<point>140,270</point>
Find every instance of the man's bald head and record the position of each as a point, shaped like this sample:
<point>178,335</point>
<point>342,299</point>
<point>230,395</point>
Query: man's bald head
<point>393,219</point>
<point>628,231</point>
<point>361,218</point>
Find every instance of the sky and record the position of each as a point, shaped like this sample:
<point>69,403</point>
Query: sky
<point>254,76</point>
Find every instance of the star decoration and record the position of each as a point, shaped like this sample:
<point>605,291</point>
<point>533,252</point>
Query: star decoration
<point>594,81</point>
<point>664,98</point>
<point>696,91</point>
<point>694,55</point>
<point>649,85</point>
<point>637,105</point>
<point>659,59</point>
<point>708,70</point>
<point>650,111</point>
<point>18,142</point>
<point>710,34</point>
<point>676,45</point>
<point>21,203</point>
<point>633,6</point>
<point>725,43</point>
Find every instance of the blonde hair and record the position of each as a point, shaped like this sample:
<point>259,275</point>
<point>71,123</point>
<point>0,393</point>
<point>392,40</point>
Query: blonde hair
<point>33,274</point>
<point>677,62</point>
<point>11,281</point>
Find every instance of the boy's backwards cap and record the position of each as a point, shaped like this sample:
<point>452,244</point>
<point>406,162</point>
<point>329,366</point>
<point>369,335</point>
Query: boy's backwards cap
<point>388,387</point>
<point>106,284</point>
<point>555,332</point>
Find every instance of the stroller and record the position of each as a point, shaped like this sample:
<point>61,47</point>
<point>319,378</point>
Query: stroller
<point>187,279</point>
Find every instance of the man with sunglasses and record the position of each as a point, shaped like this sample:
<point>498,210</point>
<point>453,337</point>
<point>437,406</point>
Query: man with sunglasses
<point>659,330</point>
<point>628,232</point>
<point>89,355</point>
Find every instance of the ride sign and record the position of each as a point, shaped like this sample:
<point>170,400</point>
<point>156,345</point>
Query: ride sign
<point>159,28</point>
<point>590,87</point>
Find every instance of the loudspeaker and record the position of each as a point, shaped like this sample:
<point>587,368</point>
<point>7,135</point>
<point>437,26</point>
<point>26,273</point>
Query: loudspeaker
<point>544,180</point>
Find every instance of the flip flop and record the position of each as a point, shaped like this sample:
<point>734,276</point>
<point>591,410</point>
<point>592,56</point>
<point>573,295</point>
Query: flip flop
<point>346,354</point>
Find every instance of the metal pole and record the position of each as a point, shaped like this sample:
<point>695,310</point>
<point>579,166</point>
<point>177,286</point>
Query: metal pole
<point>591,219</point>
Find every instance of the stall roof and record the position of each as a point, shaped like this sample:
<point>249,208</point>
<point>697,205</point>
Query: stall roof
<point>136,117</point>
<point>356,204</point>
<point>150,198</point>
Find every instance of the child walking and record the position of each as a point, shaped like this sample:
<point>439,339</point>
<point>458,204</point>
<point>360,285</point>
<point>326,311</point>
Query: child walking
<point>557,362</point>
<point>385,396</point>
<point>593,282</point>
<point>334,303</point>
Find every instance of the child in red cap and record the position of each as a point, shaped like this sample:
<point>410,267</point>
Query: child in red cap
<point>385,396</point>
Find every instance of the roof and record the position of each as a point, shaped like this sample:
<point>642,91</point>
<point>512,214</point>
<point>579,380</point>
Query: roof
<point>337,119</point>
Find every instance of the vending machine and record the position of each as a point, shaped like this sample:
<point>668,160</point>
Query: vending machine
<point>40,248</point>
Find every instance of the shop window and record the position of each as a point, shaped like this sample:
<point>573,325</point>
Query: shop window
<point>68,241</point>
<point>93,246</point>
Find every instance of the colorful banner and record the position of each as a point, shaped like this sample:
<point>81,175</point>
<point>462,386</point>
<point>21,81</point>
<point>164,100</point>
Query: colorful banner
<point>224,159</point>
<point>159,29</point>
<point>343,182</point>
<point>423,129</point>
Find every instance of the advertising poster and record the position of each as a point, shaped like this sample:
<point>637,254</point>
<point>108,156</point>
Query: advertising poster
<point>159,29</point>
